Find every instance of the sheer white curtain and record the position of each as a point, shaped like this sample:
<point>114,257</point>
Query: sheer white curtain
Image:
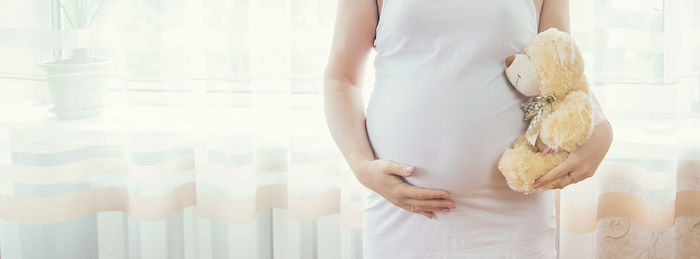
<point>210,142</point>
<point>644,201</point>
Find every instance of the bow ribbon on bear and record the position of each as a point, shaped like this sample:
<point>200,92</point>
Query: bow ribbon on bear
<point>534,111</point>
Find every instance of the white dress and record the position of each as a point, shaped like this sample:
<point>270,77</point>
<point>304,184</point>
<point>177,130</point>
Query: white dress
<point>442,103</point>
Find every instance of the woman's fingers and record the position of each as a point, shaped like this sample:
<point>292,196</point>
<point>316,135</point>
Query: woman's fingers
<point>553,174</point>
<point>424,201</point>
<point>412,208</point>
<point>417,210</point>
<point>398,169</point>
<point>415,199</point>
<point>415,192</point>
<point>431,205</point>
<point>566,180</point>
<point>562,182</point>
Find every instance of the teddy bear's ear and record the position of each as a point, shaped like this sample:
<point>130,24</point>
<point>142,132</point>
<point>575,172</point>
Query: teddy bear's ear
<point>563,56</point>
<point>569,56</point>
<point>564,49</point>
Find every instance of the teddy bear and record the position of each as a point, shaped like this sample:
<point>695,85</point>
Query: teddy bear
<point>550,71</point>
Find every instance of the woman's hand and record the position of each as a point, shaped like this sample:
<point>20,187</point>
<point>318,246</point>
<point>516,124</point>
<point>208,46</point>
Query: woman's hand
<point>582,162</point>
<point>384,177</point>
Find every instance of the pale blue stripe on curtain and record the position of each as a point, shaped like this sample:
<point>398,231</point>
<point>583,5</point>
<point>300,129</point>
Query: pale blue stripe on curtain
<point>222,94</point>
<point>226,96</point>
<point>642,58</point>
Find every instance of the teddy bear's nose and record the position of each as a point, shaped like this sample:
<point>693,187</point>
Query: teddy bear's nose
<point>509,60</point>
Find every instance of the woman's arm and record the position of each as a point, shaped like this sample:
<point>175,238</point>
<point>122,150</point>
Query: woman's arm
<point>554,14</point>
<point>353,38</point>
<point>352,41</point>
<point>584,161</point>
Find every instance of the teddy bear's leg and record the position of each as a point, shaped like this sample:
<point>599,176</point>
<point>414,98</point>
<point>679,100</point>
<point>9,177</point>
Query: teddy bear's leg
<point>570,124</point>
<point>521,164</point>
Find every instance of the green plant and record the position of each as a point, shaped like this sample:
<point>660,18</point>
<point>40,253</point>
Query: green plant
<point>81,14</point>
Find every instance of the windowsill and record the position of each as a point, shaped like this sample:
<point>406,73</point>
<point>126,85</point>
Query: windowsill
<point>173,111</point>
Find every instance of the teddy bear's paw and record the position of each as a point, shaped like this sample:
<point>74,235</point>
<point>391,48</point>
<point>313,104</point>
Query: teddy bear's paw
<point>570,125</point>
<point>520,166</point>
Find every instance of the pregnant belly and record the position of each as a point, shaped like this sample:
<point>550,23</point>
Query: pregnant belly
<point>453,135</point>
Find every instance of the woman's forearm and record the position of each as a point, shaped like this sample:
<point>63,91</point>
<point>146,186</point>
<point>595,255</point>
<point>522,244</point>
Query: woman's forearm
<point>345,115</point>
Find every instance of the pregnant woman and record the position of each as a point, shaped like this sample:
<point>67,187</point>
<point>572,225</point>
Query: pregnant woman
<point>441,113</point>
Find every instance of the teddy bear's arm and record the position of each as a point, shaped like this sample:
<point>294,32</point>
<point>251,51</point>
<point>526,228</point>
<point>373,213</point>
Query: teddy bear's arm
<point>570,124</point>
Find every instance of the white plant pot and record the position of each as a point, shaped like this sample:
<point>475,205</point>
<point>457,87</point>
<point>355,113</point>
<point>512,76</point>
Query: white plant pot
<point>77,89</point>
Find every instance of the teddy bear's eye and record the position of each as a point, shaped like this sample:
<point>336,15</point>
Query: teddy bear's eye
<point>519,76</point>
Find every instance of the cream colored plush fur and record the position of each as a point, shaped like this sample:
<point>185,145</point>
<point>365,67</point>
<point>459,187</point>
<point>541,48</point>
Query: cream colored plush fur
<point>559,67</point>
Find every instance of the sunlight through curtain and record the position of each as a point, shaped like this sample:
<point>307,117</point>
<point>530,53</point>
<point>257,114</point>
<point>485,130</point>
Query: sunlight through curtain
<point>170,129</point>
<point>644,201</point>
<point>195,129</point>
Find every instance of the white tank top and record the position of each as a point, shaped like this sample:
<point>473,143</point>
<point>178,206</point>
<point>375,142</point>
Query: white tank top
<point>442,103</point>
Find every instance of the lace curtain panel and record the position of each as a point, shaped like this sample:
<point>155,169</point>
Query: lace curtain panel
<point>644,200</point>
<point>195,129</point>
